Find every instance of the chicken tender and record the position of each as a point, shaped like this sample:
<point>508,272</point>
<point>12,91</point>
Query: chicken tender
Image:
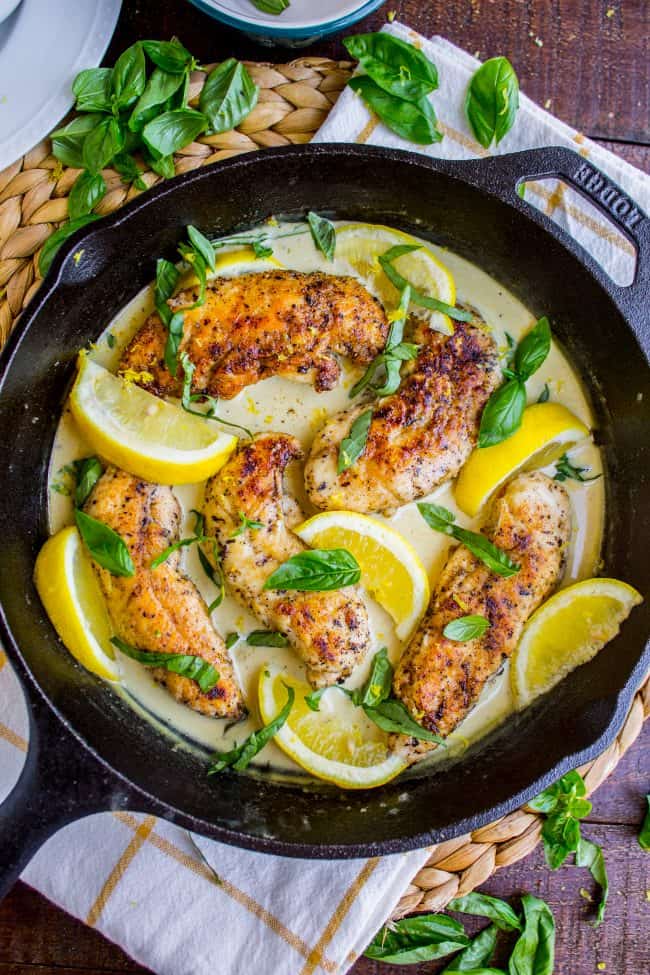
<point>328,630</point>
<point>275,323</point>
<point>160,609</point>
<point>440,680</point>
<point>419,436</point>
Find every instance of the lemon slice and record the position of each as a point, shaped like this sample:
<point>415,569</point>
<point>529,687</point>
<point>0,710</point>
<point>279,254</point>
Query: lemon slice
<point>360,244</point>
<point>232,263</point>
<point>338,743</point>
<point>547,431</point>
<point>391,569</point>
<point>568,630</point>
<point>143,434</point>
<point>72,599</point>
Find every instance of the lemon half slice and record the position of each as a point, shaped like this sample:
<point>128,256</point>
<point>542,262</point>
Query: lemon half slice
<point>73,600</point>
<point>142,434</point>
<point>568,630</point>
<point>547,431</point>
<point>338,743</point>
<point>360,244</point>
<point>391,569</point>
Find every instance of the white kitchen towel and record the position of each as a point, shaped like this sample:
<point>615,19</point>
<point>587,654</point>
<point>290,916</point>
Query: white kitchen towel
<point>181,904</point>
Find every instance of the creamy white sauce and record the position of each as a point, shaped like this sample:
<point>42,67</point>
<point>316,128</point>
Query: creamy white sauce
<point>282,405</point>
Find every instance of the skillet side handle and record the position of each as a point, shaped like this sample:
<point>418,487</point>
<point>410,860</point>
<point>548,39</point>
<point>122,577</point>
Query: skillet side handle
<point>61,781</point>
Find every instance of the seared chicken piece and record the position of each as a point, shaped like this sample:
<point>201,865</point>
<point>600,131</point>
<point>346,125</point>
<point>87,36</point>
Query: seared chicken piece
<point>328,630</point>
<point>421,435</point>
<point>440,680</point>
<point>160,609</point>
<point>275,323</point>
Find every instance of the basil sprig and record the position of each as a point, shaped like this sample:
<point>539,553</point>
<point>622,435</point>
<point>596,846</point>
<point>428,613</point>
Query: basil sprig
<point>266,638</point>
<point>140,107</point>
<point>354,444</point>
<point>564,804</point>
<point>644,835</point>
<point>106,547</point>
<point>241,756</point>
<point>492,100</point>
<point>442,520</point>
<point>466,628</point>
<point>417,297</point>
<point>185,664</point>
<point>212,404</point>
<point>565,471</point>
<point>503,411</point>
<point>395,352</point>
<point>323,233</point>
<point>316,570</point>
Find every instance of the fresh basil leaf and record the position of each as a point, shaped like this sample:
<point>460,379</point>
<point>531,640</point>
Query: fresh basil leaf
<point>67,142</point>
<point>175,547</point>
<point>266,638</point>
<point>163,165</point>
<point>323,233</point>
<point>483,905</point>
<point>392,715</point>
<point>313,700</point>
<point>564,804</point>
<point>271,6</point>
<point>378,685</point>
<point>533,349</point>
<point>502,414</point>
<point>390,360</point>
<point>214,574</point>
<point>245,524</point>
<point>111,341</point>
<point>101,144</point>
<point>159,89</point>
<point>261,249</point>
<point>53,243</point>
<point>565,471</point>
<point>590,855</point>
<point>400,282</point>
<point>545,396</point>
<point>87,190</point>
<point>442,520</point>
<point>416,939</point>
<point>413,121</point>
<point>167,276</point>
<point>202,246</point>
<point>174,339</point>
<point>129,76</point>
<point>492,100</point>
<point>169,56</point>
<point>231,640</point>
<point>354,444</point>
<point>478,953</point>
<point>185,664</point>
<point>197,263</point>
<point>171,131</point>
<point>129,170</point>
<point>316,570</point>
<point>106,547</point>
<point>644,835</point>
<point>87,471</point>
<point>473,971</point>
<point>534,951</point>
<point>228,96</point>
<point>399,68</point>
<point>241,756</point>
<point>92,89</point>
<point>466,628</point>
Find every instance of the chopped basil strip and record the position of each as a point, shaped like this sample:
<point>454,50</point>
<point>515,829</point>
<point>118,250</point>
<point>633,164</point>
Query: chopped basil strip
<point>354,444</point>
<point>590,855</point>
<point>323,233</point>
<point>466,628</point>
<point>492,100</point>
<point>390,360</point>
<point>417,297</point>
<point>393,716</point>
<point>266,638</point>
<point>231,640</point>
<point>106,547</point>
<point>87,471</point>
<point>241,756</point>
<point>316,570</point>
<point>442,520</point>
<point>565,471</point>
<point>184,664</point>
<point>245,524</point>
<point>545,395</point>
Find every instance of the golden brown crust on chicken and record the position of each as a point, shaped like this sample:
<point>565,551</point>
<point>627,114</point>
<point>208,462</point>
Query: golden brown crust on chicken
<point>328,630</point>
<point>421,435</point>
<point>440,680</point>
<point>160,609</point>
<point>275,323</point>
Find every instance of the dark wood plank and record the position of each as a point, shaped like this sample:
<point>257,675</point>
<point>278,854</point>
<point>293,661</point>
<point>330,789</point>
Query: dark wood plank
<point>594,68</point>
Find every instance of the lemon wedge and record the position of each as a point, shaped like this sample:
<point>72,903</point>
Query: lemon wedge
<point>360,244</point>
<point>73,600</point>
<point>338,743</point>
<point>142,434</point>
<point>568,630</point>
<point>547,431</point>
<point>391,570</point>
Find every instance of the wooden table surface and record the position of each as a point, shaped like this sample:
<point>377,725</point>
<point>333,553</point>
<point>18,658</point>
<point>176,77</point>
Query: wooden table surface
<point>591,59</point>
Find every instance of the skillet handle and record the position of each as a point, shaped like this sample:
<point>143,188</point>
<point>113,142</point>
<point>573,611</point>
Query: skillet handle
<point>61,781</point>
<point>606,195</point>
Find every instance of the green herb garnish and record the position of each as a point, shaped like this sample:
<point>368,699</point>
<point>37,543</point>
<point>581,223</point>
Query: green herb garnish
<point>534,951</point>
<point>245,524</point>
<point>424,937</point>
<point>271,6</point>
<point>316,570</point>
<point>266,638</point>
<point>106,547</point>
<point>442,520</point>
<point>354,444</point>
<point>545,394</point>
<point>466,628</point>
<point>477,954</point>
<point>231,640</point>
<point>492,100</point>
<point>241,756</point>
<point>417,297</point>
<point>87,472</point>
<point>565,470</point>
<point>399,68</point>
<point>323,233</point>
<point>483,905</point>
<point>185,664</point>
<point>188,398</point>
<point>644,835</point>
<point>390,360</point>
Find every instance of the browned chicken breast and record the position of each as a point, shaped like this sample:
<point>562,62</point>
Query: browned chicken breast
<point>160,609</point>
<point>440,680</point>
<point>421,435</point>
<point>275,323</point>
<point>328,630</point>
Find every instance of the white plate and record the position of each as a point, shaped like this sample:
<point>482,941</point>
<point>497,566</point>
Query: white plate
<point>43,45</point>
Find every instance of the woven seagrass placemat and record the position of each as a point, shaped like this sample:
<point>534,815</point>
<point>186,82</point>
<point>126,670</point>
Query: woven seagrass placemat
<point>294,101</point>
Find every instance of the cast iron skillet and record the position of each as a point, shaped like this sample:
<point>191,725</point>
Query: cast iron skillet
<point>88,750</point>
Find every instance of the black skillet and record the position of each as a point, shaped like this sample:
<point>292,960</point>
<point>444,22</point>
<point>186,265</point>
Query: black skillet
<point>88,750</point>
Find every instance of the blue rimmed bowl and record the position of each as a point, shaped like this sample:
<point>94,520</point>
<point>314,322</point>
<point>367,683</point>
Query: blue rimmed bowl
<point>303,22</point>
